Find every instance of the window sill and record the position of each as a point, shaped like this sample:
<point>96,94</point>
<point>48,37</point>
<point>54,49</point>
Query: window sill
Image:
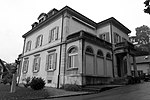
<point>69,69</point>
<point>50,70</point>
<point>35,71</point>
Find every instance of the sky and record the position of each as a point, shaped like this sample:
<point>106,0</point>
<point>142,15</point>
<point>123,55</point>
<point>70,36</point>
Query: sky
<point>16,17</point>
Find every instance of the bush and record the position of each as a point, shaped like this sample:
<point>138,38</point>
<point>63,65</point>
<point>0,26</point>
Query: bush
<point>7,79</point>
<point>71,87</point>
<point>37,83</point>
<point>27,80</point>
<point>133,80</point>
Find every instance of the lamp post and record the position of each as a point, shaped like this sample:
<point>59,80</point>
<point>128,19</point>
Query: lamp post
<point>14,79</point>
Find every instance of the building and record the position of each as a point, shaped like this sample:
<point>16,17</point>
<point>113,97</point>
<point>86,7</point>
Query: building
<point>66,47</point>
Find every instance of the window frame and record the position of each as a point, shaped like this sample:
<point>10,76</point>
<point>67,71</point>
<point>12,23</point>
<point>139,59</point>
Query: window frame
<point>39,40</point>
<point>100,53</point>
<point>108,57</point>
<point>36,60</point>
<point>73,58</point>
<point>25,65</point>
<point>53,34</point>
<point>51,66</point>
<point>28,46</point>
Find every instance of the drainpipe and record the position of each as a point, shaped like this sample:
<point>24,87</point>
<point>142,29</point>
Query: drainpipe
<point>58,81</point>
<point>112,49</point>
<point>21,63</point>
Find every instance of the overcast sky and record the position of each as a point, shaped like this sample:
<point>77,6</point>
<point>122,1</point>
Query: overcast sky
<point>16,17</point>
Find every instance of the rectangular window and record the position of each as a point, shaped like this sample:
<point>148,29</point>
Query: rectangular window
<point>73,60</point>
<point>117,38</point>
<point>28,46</point>
<point>39,41</point>
<point>36,64</point>
<point>51,61</point>
<point>53,35</point>
<point>123,40</point>
<point>25,65</point>
<point>105,36</point>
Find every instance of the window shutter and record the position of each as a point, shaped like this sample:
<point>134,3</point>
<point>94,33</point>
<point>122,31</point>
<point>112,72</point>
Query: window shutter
<point>119,38</point>
<point>115,38</point>
<point>56,34</point>
<point>39,61</point>
<point>50,35</point>
<point>46,65</point>
<point>33,65</point>
<point>55,61</point>
<point>107,37</point>
<point>27,65</point>
<point>30,45</point>
<point>26,49</point>
<point>41,40</point>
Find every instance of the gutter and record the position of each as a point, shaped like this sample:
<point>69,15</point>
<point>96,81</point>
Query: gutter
<point>112,49</point>
<point>58,81</point>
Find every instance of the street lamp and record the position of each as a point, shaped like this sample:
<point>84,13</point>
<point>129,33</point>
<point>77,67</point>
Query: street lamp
<point>14,70</point>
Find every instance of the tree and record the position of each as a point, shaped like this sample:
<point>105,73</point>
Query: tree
<point>143,37</point>
<point>143,34</point>
<point>147,10</point>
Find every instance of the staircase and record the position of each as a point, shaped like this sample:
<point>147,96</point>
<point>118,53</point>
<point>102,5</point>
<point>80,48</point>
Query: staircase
<point>99,88</point>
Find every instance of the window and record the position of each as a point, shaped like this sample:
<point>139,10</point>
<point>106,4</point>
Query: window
<point>124,40</point>
<point>36,64</point>
<point>117,38</point>
<point>53,35</point>
<point>105,36</point>
<point>108,56</point>
<point>28,46</point>
<point>89,50</point>
<point>73,58</point>
<point>51,61</point>
<point>39,41</point>
<point>25,65</point>
<point>100,53</point>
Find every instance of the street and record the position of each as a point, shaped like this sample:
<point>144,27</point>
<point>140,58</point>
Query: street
<point>130,92</point>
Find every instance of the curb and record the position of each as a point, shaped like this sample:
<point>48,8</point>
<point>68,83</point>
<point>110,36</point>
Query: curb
<point>67,95</point>
<point>59,96</point>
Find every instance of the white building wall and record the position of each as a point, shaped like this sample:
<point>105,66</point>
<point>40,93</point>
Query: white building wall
<point>45,30</point>
<point>43,52</point>
<point>119,32</point>
<point>104,29</point>
<point>76,26</point>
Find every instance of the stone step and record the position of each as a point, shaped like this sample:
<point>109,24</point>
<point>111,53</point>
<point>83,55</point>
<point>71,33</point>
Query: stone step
<point>100,88</point>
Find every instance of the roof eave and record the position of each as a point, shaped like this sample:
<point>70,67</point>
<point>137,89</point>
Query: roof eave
<point>116,23</point>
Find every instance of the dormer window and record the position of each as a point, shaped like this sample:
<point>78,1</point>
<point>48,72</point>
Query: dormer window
<point>34,24</point>
<point>42,17</point>
<point>52,12</point>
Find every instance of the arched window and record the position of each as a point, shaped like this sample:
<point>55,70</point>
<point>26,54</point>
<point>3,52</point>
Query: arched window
<point>89,50</point>
<point>108,56</point>
<point>73,57</point>
<point>100,53</point>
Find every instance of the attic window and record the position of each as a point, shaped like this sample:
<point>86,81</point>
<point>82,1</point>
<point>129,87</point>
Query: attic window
<point>42,17</point>
<point>34,24</point>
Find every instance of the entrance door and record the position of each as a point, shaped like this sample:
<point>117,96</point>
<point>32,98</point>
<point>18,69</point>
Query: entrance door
<point>118,66</point>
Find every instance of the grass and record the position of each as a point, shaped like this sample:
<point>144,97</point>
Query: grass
<point>23,93</point>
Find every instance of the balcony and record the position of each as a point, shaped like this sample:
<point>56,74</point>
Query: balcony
<point>124,45</point>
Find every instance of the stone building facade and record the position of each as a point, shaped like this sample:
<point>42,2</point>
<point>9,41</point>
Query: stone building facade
<point>66,47</point>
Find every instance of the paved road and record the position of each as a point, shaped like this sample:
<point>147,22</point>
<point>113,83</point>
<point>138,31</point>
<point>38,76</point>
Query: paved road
<point>130,92</point>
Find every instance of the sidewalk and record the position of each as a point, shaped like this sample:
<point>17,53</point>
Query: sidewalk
<point>62,93</point>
